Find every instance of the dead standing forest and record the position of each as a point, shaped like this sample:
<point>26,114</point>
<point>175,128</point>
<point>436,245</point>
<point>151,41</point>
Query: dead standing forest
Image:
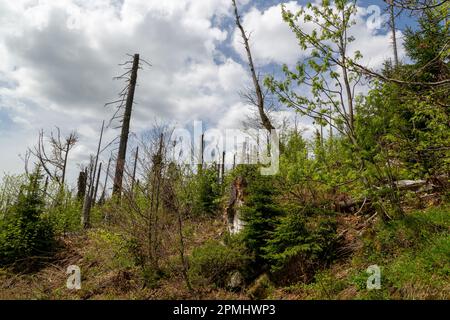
<point>370,188</point>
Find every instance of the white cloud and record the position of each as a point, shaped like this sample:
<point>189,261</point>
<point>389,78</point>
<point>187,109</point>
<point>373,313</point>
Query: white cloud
<point>271,39</point>
<point>59,58</point>
<point>63,54</point>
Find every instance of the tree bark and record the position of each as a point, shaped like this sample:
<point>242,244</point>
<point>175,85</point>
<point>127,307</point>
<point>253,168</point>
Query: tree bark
<point>134,168</point>
<point>94,198</point>
<point>259,96</point>
<point>394,37</point>
<point>82,179</point>
<point>118,177</point>
<point>102,197</point>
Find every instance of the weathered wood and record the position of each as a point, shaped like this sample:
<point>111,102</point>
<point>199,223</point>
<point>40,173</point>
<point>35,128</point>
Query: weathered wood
<point>223,168</point>
<point>410,184</point>
<point>85,215</point>
<point>232,211</point>
<point>202,146</point>
<point>94,198</point>
<point>259,95</point>
<point>120,165</point>
<point>134,168</point>
<point>393,30</point>
<point>88,200</point>
<point>82,180</point>
<point>103,196</point>
<point>96,162</point>
<point>46,186</point>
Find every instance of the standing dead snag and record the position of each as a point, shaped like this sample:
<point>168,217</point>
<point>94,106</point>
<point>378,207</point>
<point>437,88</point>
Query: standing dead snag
<point>200,156</point>
<point>232,213</point>
<point>86,210</point>
<point>390,3</point>
<point>82,179</point>
<point>118,177</point>
<point>55,162</point>
<point>94,199</point>
<point>133,178</point>
<point>103,195</point>
<point>88,200</point>
<point>222,171</point>
<point>259,95</point>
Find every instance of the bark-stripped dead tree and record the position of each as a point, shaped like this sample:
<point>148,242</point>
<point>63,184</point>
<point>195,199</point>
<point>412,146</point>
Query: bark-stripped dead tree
<point>54,162</point>
<point>258,99</point>
<point>94,199</point>
<point>82,180</point>
<point>105,183</point>
<point>393,30</point>
<point>222,170</point>
<point>86,210</point>
<point>201,155</point>
<point>133,178</point>
<point>89,197</point>
<point>125,104</point>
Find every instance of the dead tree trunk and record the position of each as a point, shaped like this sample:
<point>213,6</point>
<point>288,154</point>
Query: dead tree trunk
<point>55,162</point>
<point>259,95</point>
<point>223,168</point>
<point>86,211</point>
<point>86,216</point>
<point>134,169</point>
<point>94,198</point>
<point>82,179</point>
<point>102,197</point>
<point>200,165</point>
<point>394,37</point>
<point>66,155</point>
<point>96,163</point>
<point>118,177</point>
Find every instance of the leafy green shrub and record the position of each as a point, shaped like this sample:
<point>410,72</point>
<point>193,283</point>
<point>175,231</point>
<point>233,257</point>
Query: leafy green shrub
<point>25,231</point>
<point>66,215</point>
<point>10,187</point>
<point>214,262</point>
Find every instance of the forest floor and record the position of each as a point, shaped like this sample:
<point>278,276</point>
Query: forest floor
<point>413,256</point>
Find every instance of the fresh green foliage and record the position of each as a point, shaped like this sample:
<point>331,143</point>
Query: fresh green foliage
<point>327,72</point>
<point>260,214</point>
<point>214,262</point>
<point>205,191</point>
<point>26,231</point>
<point>303,242</point>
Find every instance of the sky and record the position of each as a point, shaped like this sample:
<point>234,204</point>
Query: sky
<point>58,59</point>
